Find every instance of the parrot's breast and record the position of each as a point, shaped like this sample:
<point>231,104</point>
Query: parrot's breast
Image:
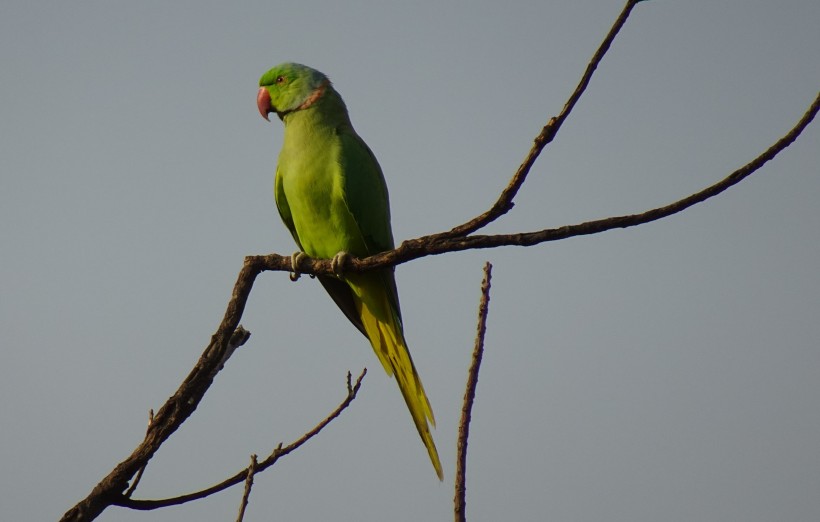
<point>312,182</point>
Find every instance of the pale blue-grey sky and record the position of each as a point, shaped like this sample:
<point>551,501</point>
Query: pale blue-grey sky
<point>666,372</point>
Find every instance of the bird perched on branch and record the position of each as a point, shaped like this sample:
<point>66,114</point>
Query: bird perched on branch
<point>331,194</point>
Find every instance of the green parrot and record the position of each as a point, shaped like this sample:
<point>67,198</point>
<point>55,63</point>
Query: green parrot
<point>331,194</point>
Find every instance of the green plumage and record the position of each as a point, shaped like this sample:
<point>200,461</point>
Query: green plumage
<point>331,194</point>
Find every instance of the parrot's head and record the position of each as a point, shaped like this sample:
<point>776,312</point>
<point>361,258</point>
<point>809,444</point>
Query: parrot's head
<point>289,87</point>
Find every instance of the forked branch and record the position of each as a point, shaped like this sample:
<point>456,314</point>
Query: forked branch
<point>243,476</point>
<point>505,201</point>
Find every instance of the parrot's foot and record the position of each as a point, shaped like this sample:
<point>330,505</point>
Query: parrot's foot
<point>295,259</point>
<point>339,261</point>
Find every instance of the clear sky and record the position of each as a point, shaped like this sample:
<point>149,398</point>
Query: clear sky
<point>666,372</point>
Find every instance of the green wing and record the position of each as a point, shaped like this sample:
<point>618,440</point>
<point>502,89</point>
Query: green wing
<point>365,193</point>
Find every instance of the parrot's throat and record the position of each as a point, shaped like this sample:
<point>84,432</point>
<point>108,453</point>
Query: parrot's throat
<point>314,96</point>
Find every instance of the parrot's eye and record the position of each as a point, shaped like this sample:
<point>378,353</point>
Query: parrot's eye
<point>280,79</point>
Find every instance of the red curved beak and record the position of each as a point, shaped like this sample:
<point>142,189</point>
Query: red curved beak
<point>263,102</point>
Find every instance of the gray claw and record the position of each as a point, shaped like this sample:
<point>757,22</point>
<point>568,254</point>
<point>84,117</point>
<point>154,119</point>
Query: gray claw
<point>338,262</point>
<point>295,259</point>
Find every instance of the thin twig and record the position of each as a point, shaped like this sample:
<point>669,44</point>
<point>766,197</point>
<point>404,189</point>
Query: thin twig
<point>505,201</point>
<point>138,476</point>
<point>270,460</point>
<point>248,485</point>
<point>460,499</point>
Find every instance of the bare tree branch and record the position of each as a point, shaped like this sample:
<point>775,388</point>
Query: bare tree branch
<point>460,499</point>
<point>505,202</point>
<point>270,460</point>
<point>179,406</point>
<point>230,336</point>
<point>248,485</point>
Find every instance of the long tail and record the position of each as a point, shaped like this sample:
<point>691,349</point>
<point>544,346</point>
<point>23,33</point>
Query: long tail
<point>384,329</point>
